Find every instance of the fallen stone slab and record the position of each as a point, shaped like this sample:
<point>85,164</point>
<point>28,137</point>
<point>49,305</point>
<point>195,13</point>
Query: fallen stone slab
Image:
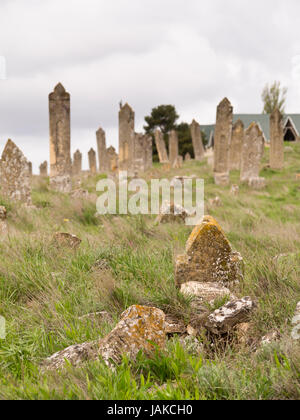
<point>170,213</point>
<point>206,292</point>
<point>67,240</point>
<point>235,312</point>
<point>140,328</point>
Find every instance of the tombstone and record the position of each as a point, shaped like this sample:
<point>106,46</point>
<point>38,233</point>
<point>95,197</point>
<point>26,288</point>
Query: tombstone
<point>112,158</point>
<point>44,169</point>
<point>209,257</point>
<point>173,147</point>
<point>126,138</point>
<point>77,163</point>
<point>14,174</point>
<point>252,153</point>
<point>276,140</point>
<point>101,145</point>
<point>30,168</point>
<point>161,147</point>
<point>236,144</point>
<point>222,138</point>
<point>187,157</point>
<point>197,141</point>
<point>60,142</point>
<point>178,162</point>
<point>142,152</point>
<point>92,161</point>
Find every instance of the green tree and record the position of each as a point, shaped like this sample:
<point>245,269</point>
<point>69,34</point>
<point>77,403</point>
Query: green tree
<point>273,97</point>
<point>163,117</point>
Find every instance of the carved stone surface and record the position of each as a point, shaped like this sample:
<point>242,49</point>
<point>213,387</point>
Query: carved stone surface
<point>14,174</point>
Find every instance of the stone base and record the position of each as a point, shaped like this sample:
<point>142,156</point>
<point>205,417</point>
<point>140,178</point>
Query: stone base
<point>257,183</point>
<point>221,178</point>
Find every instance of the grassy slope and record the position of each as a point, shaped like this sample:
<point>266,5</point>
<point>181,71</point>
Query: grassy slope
<point>44,291</point>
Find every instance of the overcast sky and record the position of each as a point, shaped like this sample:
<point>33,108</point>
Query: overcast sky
<point>188,53</point>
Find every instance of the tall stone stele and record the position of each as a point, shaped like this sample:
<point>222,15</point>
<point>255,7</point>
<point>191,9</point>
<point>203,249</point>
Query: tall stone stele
<point>44,169</point>
<point>15,174</point>
<point>101,146</point>
<point>252,153</point>
<point>92,161</point>
<point>126,138</point>
<point>161,147</point>
<point>197,141</point>
<point>77,163</point>
<point>236,145</point>
<point>222,139</point>
<point>276,140</point>
<point>60,141</point>
<point>173,147</point>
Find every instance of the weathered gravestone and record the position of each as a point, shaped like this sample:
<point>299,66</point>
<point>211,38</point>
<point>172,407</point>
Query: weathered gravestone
<point>209,257</point>
<point>197,140</point>
<point>112,158</point>
<point>77,163</point>
<point>161,147</point>
<point>236,145</point>
<point>252,153</point>
<point>173,147</point>
<point>92,161</point>
<point>60,140</point>
<point>14,174</point>
<point>44,169</point>
<point>126,138</point>
<point>276,140</point>
<point>222,139</point>
<point>102,154</point>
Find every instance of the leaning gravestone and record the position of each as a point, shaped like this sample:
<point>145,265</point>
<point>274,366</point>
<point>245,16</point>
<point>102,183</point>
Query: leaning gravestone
<point>209,257</point>
<point>14,174</point>
<point>197,140</point>
<point>173,147</point>
<point>161,147</point>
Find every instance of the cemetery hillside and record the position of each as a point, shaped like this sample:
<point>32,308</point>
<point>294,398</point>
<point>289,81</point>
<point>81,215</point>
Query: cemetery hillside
<point>146,307</point>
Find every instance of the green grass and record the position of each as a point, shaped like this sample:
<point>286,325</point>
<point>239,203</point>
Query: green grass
<point>44,291</point>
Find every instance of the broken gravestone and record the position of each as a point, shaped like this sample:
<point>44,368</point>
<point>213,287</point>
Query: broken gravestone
<point>140,328</point>
<point>206,292</point>
<point>170,213</point>
<point>67,240</point>
<point>14,174</point>
<point>235,312</point>
<point>209,257</point>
